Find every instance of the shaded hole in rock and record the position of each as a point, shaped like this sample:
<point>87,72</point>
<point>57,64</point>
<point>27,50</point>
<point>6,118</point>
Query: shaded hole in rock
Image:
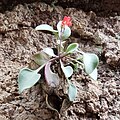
<point>93,116</point>
<point>69,113</point>
<point>55,102</point>
<point>7,73</point>
<point>75,34</point>
<point>107,71</point>
<point>102,57</point>
<point>21,25</point>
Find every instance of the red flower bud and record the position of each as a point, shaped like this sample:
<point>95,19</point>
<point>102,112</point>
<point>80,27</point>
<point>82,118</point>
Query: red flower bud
<point>66,21</point>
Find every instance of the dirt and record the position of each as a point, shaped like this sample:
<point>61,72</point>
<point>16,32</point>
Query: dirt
<point>96,100</point>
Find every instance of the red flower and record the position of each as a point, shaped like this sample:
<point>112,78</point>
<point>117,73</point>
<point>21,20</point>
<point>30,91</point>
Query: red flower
<point>66,21</point>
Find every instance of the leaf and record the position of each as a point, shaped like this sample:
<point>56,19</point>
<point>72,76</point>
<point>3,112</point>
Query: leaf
<point>93,75</point>
<point>49,51</point>
<point>51,78</point>
<point>59,27</point>
<point>45,27</point>
<point>90,62</point>
<point>72,47</point>
<point>68,71</point>
<point>66,33</point>
<point>27,78</point>
<point>72,92</point>
<point>40,58</point>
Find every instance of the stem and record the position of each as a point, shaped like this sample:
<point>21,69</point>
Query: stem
<point>51,60</point>
<point>60,39</point>
<point>58,57</point>
<point>76,61</point>
<point>68,81</point>
<point>40,68</point>
<point>80,51</point>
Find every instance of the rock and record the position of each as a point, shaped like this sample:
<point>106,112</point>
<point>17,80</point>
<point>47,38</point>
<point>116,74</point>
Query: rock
<point>111,52</point>
<point>3,117</point>
<point>105,6</point>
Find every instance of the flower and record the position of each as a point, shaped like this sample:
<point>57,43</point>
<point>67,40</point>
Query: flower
<point>66,21</point>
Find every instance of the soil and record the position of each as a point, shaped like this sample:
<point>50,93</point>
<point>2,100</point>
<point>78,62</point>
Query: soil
<point>96,100</point>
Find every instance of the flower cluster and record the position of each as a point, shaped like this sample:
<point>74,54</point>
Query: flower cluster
<point>66,21</point>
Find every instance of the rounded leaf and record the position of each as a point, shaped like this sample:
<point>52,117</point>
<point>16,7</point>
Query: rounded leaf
<point>51,78</point>
<point>90,62</point>
<point>40,58</point>
<point>49,51</point>
<point>45,27</point>
<point>93,75</point>
<point>68,70</point>
<point>72,47</point>
<point>72,92</point>
<point>27,78</point>
<point>66,31</point>
<point>59,27</point>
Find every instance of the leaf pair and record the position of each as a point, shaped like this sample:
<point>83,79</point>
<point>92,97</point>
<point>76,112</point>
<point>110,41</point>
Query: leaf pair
<point>27,77</point>
<point>66,33</point>
<point>72,90</point>
<point>63,32</point>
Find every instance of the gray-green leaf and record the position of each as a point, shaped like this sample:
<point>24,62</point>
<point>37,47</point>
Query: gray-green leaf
<point>72,92</point>
<point>45,27</point>
<point>72,47</point>
<point>41,58</point>
<point>27,78</point>
<point>52,79</point>
<point>66,33</point>
<point>90,62</point>
<point>93,75</point>
<point>68,70</point>
<point>49,51</point>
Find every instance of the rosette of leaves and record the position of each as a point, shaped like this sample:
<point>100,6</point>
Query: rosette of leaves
<point>89,61</point>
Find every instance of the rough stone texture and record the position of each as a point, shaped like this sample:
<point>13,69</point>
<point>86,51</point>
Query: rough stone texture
<point>18,41</point>
<point>99,6</point>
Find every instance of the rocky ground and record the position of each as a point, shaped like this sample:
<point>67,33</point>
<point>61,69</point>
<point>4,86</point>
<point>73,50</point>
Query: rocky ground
<point>96,100</point>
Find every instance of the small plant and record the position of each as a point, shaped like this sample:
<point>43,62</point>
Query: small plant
<point>69,59</point>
